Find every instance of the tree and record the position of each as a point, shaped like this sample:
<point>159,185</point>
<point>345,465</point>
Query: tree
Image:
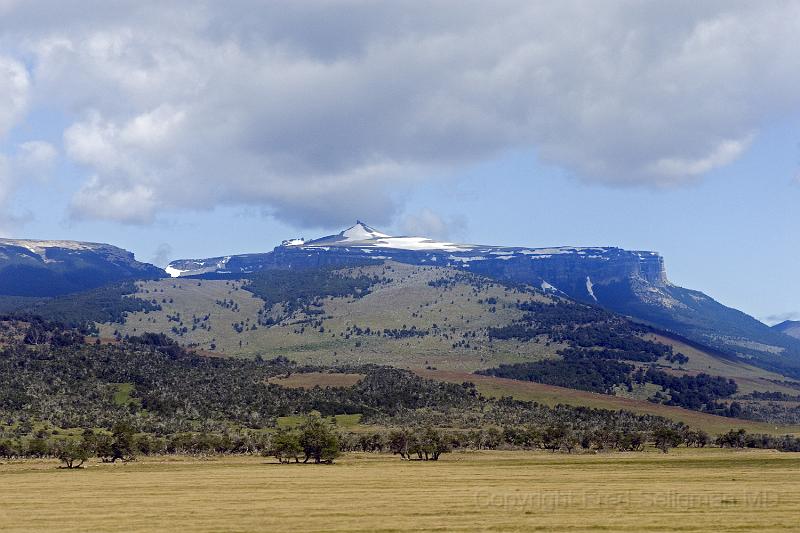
<point>432,443</point>
<point>699,438</point>
<point>491,438</point>
<point>123,445</point>
<point>38,447</point>
<point>286,446</point>
<point>104,447</point>
<point>569,441</point>
<point>553,437</point>
<point>665,438</point>
<point>71,452</point>
<point>318,440</point>
<point>399,441</point>
<point>9,450</point>
<point>732,439</point>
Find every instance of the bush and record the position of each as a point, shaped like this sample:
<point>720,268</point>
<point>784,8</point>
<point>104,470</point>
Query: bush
<point>72,453</point>
<point>318,440</point>
<point>286,446</point>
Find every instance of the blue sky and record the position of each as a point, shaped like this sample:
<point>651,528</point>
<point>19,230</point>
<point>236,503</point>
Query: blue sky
<point>201,129</point>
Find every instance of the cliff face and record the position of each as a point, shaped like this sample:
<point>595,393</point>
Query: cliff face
<point>51,268</point>
<point>573,271</point>
<point>580,273</point>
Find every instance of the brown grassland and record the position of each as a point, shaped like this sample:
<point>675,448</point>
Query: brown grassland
<point>494,387</point>
<point>686,490</point>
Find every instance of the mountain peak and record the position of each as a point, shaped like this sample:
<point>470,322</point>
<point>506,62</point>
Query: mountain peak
<point>361,232</point>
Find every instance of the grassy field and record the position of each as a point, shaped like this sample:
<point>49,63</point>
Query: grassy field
<point>686,491</point>
<point>749,378</point>
<point>495,387</point>
<point>406,300</point>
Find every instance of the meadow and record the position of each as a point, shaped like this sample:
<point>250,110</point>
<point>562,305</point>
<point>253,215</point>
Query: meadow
<point>686,490</point>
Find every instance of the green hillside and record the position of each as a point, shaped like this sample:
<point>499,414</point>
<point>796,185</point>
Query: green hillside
<point>426,318</point>
<point>434,317</point>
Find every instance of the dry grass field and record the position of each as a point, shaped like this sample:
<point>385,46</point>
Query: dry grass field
<point>551,395</point>
<point>686,491</point>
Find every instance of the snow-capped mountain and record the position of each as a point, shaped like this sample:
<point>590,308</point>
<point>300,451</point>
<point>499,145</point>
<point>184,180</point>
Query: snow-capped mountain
<point>50,268</point>
<point>632,282</point>
<point>552,268</point>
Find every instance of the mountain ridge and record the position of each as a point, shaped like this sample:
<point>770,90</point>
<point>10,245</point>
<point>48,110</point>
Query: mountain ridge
<point>44,268</point>
<point>631,282</point>
<point>789,327</point>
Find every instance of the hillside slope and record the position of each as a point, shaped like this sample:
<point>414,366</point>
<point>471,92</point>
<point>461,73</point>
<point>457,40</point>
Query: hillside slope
<point>432,318</point>
<point>789,327</point>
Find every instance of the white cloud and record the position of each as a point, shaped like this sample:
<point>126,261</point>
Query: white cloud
<point>31,161</point>
<point>14,85</point>
<point>9,220</point>
<point>317,111</point>
<point>677,168</point>
<point>35,160</point>
<point>427,223</point>
<point>132,204</point>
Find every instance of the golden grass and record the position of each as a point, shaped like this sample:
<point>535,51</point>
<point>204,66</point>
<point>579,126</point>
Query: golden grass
<point>687,491</point>
<point>494,387</point>
<point>748,377</point>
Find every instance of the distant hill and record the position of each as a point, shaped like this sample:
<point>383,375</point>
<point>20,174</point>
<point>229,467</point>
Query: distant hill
<point>633,283</point>
<point>789,327</point>
<point>51,268</point>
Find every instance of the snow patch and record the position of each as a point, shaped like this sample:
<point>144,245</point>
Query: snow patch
<point>418,243</point>
<point>547,287</point>
<point>466,259</point>
<point>174,272</point>
<point>590,288</point>
<point>361,232</point>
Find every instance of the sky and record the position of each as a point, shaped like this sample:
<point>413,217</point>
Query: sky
<point>195,129</point>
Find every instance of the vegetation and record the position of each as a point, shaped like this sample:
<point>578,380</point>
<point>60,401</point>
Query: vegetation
<point>594,375</point>
<point>301,289</point>
<point>110,303</point>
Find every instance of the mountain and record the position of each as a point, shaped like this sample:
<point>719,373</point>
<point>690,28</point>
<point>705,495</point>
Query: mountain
<point>52,268</point>
<point>789,327</point>
<point>631,282</point>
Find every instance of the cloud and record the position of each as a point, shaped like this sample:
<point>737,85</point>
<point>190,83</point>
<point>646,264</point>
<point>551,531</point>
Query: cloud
<point>781,317</point>
<point>31,161</point>
<point>9,220</point>
<point>427,223</point>
<point>14,86</point>
<point>162,255</point>
<point>319,112</point>
<point>36,160</point>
